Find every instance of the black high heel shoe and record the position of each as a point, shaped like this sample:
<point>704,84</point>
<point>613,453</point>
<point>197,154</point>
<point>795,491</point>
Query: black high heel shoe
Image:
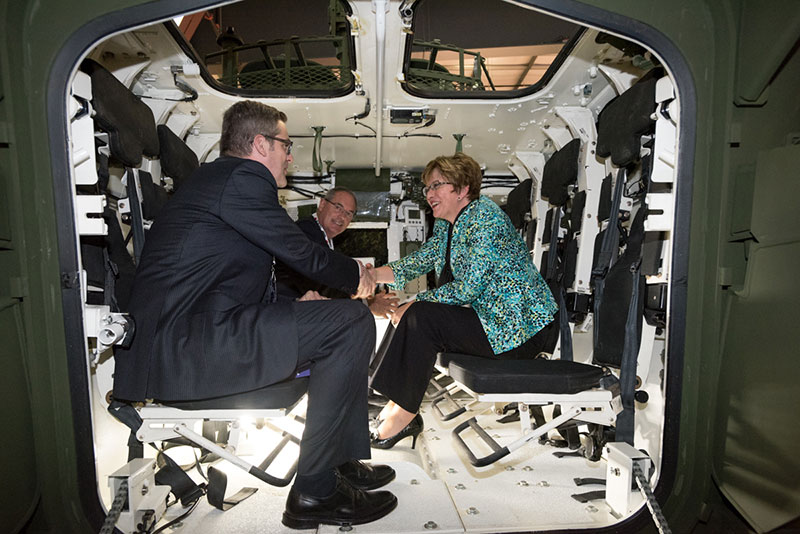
<point>412,429</point>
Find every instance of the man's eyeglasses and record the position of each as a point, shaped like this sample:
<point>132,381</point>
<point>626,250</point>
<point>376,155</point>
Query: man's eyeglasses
<point>286,142</point>
<point>341,209</point>
<point>434,186</point>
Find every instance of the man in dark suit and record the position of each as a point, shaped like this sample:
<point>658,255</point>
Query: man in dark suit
<point>334,213</point>
<point>209,324</point>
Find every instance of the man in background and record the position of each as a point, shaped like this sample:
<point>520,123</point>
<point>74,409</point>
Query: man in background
<point>334,214</point>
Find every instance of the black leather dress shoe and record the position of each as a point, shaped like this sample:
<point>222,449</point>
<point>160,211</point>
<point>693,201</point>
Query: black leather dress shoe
<point>347,506</point>
<point>366,476</point>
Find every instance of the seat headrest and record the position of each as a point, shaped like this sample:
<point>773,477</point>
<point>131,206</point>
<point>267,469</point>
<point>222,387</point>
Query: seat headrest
<point>625,120</point>
<point>178,161</point>
<point>560,171</point>
<point>128,122</point>
<point>519,203</point>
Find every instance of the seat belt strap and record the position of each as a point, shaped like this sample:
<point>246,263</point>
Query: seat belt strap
<point>137,220</point>
<point>609,249</point>
<point>552,276</point>
<point>182,486</point>
<point>630,353</point>
<point>563,325</point>
<point>632,341</point>
<point>217,482</point>
<point>127,415</point>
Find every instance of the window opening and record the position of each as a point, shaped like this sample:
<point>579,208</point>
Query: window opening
<point>454,52</point>
<point>296,52</point>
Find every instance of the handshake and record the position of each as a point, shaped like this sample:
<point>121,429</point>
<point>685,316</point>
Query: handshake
<point>386,304</point>
<point>367,281</point>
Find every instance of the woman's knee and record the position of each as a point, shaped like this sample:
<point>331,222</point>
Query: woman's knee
<point>420,315</point>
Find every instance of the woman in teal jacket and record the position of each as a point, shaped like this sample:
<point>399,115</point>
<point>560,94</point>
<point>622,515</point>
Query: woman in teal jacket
<point>489,301</point>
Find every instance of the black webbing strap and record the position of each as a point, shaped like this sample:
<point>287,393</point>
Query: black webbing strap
<point>110,268</point>
<point>128,416</point>
<point>630,348</point>
<point>217,482</point>
<point>583,498</point>
<point>137,221</point>
<point>556,282</point>
<point>552,254</point>
<point>182,486</point>
<point>609,249</point>
<point>109,281</point>
<point>589,481</point>
<point>568,431</point>
<point>377,358</point>
<point>563,325</point>
<point>188,491</point>
<point>172,474</point>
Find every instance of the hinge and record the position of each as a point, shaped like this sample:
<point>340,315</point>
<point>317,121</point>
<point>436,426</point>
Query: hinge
<point>18,286</point>
<point>70,280</point>
<point>5,137</point>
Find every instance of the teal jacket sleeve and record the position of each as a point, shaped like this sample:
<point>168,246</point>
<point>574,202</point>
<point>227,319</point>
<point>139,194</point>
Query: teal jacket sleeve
<point>417,263</point>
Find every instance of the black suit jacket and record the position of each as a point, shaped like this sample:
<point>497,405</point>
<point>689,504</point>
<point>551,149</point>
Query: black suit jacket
<point>205,325</point>
<point>292,284</point>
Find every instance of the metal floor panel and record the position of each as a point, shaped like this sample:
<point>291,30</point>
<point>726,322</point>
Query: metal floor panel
<point>528,490</point>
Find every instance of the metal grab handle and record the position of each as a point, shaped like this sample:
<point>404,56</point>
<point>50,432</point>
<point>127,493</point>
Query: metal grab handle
<point>257,472</point>
<point>498,453</point>
<point>450,415</point>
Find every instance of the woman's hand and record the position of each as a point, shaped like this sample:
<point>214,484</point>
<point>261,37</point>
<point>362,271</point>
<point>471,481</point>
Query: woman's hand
<point>311,295</point>
<point>398,314</point>
<point>383,304</point>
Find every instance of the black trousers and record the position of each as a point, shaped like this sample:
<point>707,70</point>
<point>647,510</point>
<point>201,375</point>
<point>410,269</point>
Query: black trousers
<point>336,339</point>
<point>426,329</point>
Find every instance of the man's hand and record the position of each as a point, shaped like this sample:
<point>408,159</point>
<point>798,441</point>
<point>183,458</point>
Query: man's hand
<point>366,284</point>
<point>311,295</point>
<point>383,304</point>
<point>398,314</point>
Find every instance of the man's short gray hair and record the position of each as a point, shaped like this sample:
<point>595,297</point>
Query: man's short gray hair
<point>332,193</point>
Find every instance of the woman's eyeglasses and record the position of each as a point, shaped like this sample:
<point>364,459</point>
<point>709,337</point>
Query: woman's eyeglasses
<point>341,209</point>
<point>434,186</point>
<point>286,142</point>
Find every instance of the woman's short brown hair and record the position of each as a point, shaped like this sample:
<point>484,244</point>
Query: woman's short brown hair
<point>459,169</point>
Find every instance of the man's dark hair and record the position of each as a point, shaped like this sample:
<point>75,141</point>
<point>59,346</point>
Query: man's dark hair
<point>339,189</point>
<point>242,122</point>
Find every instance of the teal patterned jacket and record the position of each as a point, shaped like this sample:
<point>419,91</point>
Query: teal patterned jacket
<point>492,272</point>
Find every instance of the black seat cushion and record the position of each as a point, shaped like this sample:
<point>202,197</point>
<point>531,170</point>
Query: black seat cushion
<point>570,263</point>
<point>561,171</point>
<point>154,197</point>
<point>128,121</point>
<point>178,161</point>
<point>443,359</point>
<point>624,120</point>
<point>604,207</point>
<point>519,203</point>
<point>547,232</point>
<point>576,213</point>
<point>484,375</point>
<point>280,395</point>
